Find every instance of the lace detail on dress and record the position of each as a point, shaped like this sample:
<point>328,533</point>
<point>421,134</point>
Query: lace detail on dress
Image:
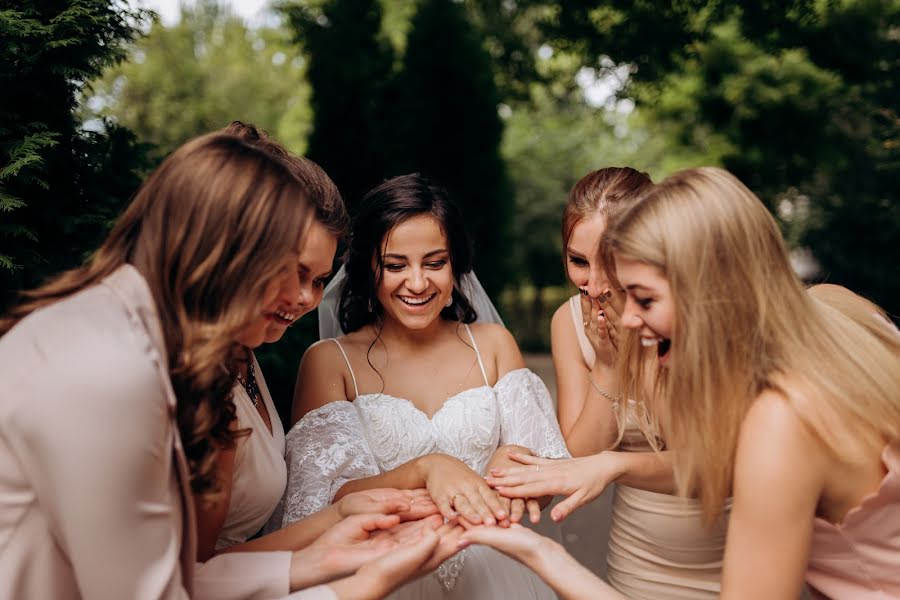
<point>450,569</point>
<point>325,449</point>
<point>527,417</point>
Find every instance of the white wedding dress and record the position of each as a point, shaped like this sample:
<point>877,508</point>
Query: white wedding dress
<point>343,441</point>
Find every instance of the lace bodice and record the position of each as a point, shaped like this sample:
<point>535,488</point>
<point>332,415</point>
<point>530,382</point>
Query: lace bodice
<point>466,427</point>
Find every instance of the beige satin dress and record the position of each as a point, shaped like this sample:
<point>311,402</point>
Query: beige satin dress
<point>658,546</point>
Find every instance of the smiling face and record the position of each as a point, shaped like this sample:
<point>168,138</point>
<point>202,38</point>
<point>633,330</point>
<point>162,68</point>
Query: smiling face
<point>649,305</point>
<point>296,290</point>
<point>583,264</point>
<point>416,278</point>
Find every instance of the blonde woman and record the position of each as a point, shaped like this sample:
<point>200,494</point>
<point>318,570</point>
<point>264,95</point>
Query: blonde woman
<point>658,546</point>
<point>115,384</point>
<point>788,402</point>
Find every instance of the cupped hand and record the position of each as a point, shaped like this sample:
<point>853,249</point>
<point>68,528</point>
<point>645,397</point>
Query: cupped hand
<point>581,480</point>
<point>409,505</point>
<point>414,557</point>
<point>457,490</point>
<point>517,542</point>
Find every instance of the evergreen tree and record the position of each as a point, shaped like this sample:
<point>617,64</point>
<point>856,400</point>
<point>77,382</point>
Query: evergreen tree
<point>59,186</point>
<point>350,67</point>
<point>451,131</point>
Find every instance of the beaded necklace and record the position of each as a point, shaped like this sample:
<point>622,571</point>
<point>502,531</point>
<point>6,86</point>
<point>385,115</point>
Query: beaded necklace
<point>250,385</point>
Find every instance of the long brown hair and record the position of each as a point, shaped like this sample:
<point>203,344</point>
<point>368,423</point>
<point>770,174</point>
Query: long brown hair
<point>322,192</point>
<point>208,230</point>
<point>744,324</point>
<point>606,191</point>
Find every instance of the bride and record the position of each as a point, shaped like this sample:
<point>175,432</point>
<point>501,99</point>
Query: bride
<point>417,394</point>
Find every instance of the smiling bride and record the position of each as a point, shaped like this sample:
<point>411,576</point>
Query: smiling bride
<point>417,394</point>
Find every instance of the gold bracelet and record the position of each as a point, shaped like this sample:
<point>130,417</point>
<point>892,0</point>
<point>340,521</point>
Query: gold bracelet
<point>614,399</point>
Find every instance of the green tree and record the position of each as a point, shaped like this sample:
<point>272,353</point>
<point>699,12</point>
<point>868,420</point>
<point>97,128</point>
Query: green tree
<point>350,69</point>
<point>200,74</point>
<point>803,94</point>
<point>59,185</point>
<point>451,131</point>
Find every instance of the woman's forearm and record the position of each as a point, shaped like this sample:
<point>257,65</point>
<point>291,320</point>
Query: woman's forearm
<point>595,429</point>
<point>651,471</point>
<point>408,476</point>
<point>296,536</point>
<point>569,578</point>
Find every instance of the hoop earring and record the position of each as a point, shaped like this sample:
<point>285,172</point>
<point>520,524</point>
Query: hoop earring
<point>449,302</point>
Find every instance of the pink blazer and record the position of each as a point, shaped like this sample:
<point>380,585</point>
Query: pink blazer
<point>95,498</point>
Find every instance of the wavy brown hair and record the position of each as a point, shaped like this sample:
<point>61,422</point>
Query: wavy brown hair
<point>322,192</point>
<point>208,230</point>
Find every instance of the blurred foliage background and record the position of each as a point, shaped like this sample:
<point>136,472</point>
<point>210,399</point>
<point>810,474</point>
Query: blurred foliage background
<point>506,102</point>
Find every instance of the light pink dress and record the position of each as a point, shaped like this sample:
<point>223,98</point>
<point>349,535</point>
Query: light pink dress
<point>860,557</point>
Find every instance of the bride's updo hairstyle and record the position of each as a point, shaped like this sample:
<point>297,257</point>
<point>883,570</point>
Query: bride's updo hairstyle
<point>388,205</point>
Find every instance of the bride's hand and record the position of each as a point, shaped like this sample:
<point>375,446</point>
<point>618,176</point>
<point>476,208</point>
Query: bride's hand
<point>409,505</point>
<point>458,490</point>
<point>581,480</point>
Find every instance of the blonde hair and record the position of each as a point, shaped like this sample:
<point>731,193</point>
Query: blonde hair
<point>209,230</point>
<point>744,324</point>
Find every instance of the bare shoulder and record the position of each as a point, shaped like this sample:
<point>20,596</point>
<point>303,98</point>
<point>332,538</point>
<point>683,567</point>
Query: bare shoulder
<point>777,451</point>
<point>320,379</point>
<point>561,324</point>
<point>495,341</point>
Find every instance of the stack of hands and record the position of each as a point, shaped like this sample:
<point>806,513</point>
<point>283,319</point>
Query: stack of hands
<point>385,537</point>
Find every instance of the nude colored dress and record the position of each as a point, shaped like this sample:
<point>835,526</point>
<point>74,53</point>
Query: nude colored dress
<point>860,557</point>
<point>260,473</point>
<point>658,546</point>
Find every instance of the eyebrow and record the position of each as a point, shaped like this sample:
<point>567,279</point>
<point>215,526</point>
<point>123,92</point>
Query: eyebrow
<point>575,253</point>
<point>635,286</point>
<point>403,256</point>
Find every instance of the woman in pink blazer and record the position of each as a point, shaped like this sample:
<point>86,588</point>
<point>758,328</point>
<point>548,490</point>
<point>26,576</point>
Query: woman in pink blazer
<point>114,399</point>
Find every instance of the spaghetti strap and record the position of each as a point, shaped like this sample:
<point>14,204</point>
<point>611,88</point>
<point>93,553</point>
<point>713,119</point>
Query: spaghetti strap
<point>478,355</point>
<point>347,360</point>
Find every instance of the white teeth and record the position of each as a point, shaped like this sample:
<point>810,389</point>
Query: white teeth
<point>416,301</point>
<point>647,342</point>
<point>286,315</point>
